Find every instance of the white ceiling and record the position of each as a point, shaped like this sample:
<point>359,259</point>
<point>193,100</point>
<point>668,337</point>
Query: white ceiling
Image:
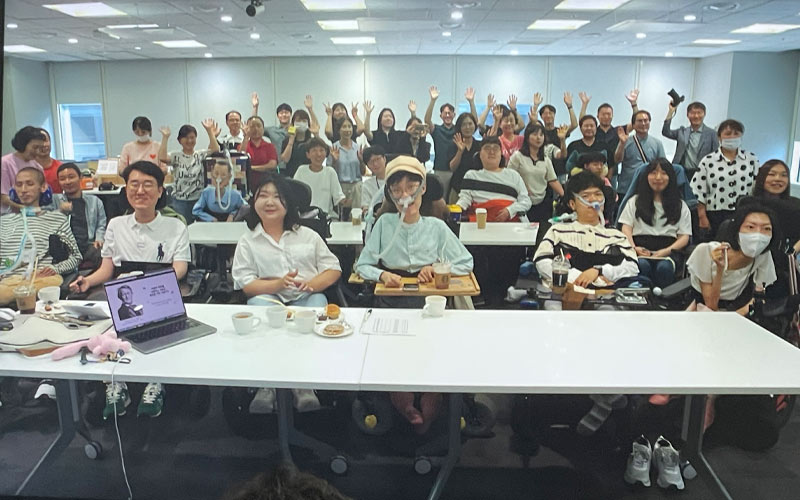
<point>407,27</point>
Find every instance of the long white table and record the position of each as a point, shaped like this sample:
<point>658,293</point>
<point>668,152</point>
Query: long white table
<point>597,352</point>
<point>105,192</point>
<point>228,233</point>
<point>498,234</point>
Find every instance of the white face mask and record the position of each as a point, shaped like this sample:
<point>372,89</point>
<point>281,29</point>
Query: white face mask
<point>303,126</point>
<point>143,138</point>
<point>753,244</point>
<point>731,143</point>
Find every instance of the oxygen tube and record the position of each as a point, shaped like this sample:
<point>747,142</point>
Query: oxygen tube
<point>230,182</point>
<point>597,205</point>
<point>26,235</point>
<point>405,202</point>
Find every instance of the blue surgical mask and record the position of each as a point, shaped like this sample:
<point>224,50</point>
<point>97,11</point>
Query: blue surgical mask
<point>731,143</point>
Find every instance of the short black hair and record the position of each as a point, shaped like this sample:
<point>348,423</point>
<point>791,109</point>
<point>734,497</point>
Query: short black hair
<point>445,106</point>
<point>38,172</point>
<point>488,141</point>
<point>696,104</point>
<point>285,483</point>
<point>734,125</point>
<point>142,123</point>
<point>300,114</point>
<point>292,217</point>
<point>547,106</point>
<point>591,157</point>
<point>120,289</point>
<point>25,135</point>
<point>67,166</point>
<point>186,130</point>
<point>605,105</point>
<point>316,142</point>
<point>373,151</point>
<point>146,168</point>
<point>412,120</point>
<point>576,184</point>
<point>587,117</point>
<point>639,112</point>
<point>229,114</point>
<point>283,107</point>
<point>730,233</point>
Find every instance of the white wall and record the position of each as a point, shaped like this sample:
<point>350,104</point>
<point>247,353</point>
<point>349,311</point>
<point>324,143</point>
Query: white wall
<point>712,83</point>
<point>26,98</point>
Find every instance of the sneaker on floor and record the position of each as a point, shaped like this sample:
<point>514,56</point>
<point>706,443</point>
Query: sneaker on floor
<point>305,400</point>
<point>667,462</point>
<point>116,397</point>
<point>604,404</point>
<point>638,469</point>
<point>46,390</point>
<point>152,401</point>
<point>263,402</point>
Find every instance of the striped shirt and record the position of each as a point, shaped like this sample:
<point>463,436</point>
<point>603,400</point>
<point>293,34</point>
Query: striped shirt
<point>587,246</point>
<point>40,227</point>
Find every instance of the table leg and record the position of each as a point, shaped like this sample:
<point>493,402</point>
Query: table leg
<point>289,435</point>
<point>693,450</point>
<point>453,445</point>
<point>68,415</point>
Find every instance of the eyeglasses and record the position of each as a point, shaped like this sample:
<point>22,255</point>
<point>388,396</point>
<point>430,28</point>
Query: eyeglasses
<point>398,192</point>
<point>146,185</point>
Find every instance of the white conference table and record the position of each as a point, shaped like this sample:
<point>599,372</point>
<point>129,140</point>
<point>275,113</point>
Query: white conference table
<point>498,234</point>
<point>228,233</point>
<point>599,352</point>
<point>106,192</point>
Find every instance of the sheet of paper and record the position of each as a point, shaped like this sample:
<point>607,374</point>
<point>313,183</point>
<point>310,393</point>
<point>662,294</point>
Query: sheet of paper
<point>107,167</point>
<point>386,324</point>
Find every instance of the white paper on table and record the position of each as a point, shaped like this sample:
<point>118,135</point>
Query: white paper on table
<point>386,324</point>
<point>107,167</point>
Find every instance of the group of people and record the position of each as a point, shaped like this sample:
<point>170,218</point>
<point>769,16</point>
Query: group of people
<point>609,203</point>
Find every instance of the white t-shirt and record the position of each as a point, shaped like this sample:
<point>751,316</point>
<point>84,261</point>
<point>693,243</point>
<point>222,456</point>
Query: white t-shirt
<point>164,240</point>
<point>659,226</point>
<point>326,192</point>
<point>188,174</point>
<point>703,268</point>
<point>370,186</point>
<point>536,175</point>
<point>258,255</point>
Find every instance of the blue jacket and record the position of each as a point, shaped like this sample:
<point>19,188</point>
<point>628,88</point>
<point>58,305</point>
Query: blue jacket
<point>95,214</point>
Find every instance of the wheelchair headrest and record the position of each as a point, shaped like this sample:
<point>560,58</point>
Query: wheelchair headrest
<point>301,192</point>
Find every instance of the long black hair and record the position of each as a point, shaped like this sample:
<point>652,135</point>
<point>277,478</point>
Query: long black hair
<point>526,148</point>
<point>379,128</point>
<point>761,178</point>
<point>292,218</point>
<point>670,198</point>
<point>730,232</point>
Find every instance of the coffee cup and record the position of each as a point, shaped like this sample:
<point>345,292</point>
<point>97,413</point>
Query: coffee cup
<point>244,322</point>
<point>304,320</point>
<point>560,276</point>
<point>26,298</point>
<point>355,216</point>
<point>434,306</point>
<point>441,275</point>
<point>276,316</point>
<point>480,217</point>
<point>50,294</point>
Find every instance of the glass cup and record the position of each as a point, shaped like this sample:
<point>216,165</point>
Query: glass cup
<point>560,276</point>
<point>244,322</point>
<point>441,275</point>
<point>355,216</point>
<point>26,298</point>
<point>480,217</point>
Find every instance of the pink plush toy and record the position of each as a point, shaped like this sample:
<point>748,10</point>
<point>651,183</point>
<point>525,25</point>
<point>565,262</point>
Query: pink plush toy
<point>99,345</point>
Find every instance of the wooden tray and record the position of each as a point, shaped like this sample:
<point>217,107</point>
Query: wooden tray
<point>459,286</point>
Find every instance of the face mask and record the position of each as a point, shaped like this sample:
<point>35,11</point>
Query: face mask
<point>301,126</point>
<point>143,138</point>
<point>731,144</point>
<point>753,244</point>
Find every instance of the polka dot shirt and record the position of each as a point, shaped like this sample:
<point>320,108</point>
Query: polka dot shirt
<point>718,183</point>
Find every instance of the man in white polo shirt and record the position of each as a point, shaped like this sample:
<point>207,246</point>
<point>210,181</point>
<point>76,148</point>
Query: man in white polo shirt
<point>143,236</point>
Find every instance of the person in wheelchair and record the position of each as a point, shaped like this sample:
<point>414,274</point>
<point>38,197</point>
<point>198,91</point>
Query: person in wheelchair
<point>281,261</point>
<point>599,256</point>
<point>408,244</point>
<point>725,273</point>
<point>657,223</point>
<point>54,249</point>
<point>220,200</point>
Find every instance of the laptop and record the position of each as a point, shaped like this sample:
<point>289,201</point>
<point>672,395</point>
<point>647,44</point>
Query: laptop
<point>148,311</point>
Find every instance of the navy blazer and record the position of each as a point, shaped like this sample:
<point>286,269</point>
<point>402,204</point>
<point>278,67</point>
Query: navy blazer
<point>708,141</point>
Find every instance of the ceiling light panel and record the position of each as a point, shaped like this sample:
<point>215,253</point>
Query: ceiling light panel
<point>557,24</point>
<point>179,44</point>
<point>339,25</point>
<point>590,4</point>
<point>331,5</point>
<point>21,49</point>
<point>353,40</point>
<point>766,29</point>
<point>86,9</point>
<point>714,41</point>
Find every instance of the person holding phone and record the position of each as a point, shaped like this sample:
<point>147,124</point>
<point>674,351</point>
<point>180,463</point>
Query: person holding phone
<point>412,142</point>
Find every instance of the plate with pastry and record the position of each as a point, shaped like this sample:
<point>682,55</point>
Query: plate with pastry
<point>333,328</point>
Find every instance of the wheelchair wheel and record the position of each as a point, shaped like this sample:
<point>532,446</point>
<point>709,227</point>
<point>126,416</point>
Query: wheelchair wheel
<point>422,465</point>
<point>338,465</point>
<point>93,450</point>
<point>479,416</point>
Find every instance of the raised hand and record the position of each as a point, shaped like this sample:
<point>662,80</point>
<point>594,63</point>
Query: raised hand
<point>165,131</point>
<point>217,129</point>
<point>497,112</point>
<point>209,124</point>
<point>308,102</point>
<point>368,107</point>
<point>434,92</point>
<point>632,96</point>
<point>585,98</point>
<point>469,95</point>
<point>562,131</point>
<point>328,108</point>
<point>354,109</point>
<point>254,99</point>
<point>512,102</point>
<point>412,107</point>
<point>313,128</point>
<point>459,141</point>
<point>360,154</point>
<point>622,134</point>
<point>537,99</point>
<point>568,99</point>
<point>490,102</point>
<point>335,153</point>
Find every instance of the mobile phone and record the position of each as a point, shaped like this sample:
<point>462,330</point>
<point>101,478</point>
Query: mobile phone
<point>292,129</point>
<point>410,287</point>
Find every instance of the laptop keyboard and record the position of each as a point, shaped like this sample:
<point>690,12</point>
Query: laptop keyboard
<point>161,331</point>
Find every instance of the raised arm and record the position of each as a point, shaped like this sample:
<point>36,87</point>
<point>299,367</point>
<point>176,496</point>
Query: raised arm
<point>562,132</point>
<point>286,155</point>
<point>622,133</point>
<point>162,150</point>
<point>585,98</point>
<point>512,105</point>
<point>254,102</point>
<point>412,108</point>
<point>666,129</point>
<point>573,120</point>
<point>533,114</point>
<point>469,95</point>
<point>359,123</point>
<point>458,141</point>
<point>485,113</point>
<point>314,125</point>
<point>434,93</point>
<point>368,107</point>
<point>328,121</point>
<point>210,125</point>
<point>633,98</point>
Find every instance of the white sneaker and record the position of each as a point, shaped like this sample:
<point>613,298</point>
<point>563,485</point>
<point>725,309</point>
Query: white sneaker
<point>667,462</point>
<point>263,402</point>
<point>46,389</point>
<point>305,400</point>
<point>638,469</point>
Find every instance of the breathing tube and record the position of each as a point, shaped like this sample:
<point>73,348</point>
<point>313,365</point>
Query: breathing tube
<point>227,205</point>
<point>404,202</point>
<point>26,235</point>
<point>597,205</point>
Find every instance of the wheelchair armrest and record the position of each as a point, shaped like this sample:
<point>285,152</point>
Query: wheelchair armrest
<point>780,307</point>
<point>676,289</point>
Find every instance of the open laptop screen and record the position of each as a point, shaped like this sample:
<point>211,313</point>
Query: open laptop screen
<point>141,300</point>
